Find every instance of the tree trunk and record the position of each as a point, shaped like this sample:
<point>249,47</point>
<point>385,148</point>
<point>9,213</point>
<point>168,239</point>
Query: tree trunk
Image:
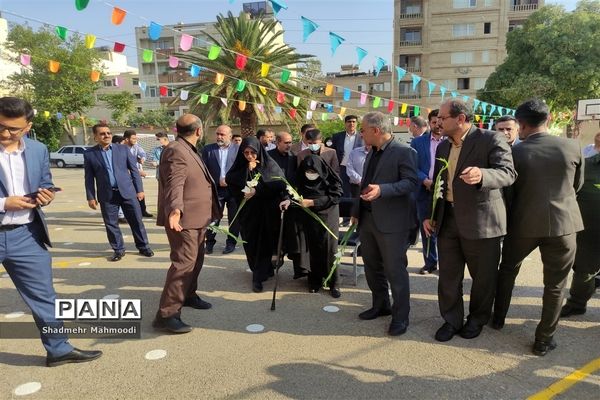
<point>68,130</point>
<point>248,121</point>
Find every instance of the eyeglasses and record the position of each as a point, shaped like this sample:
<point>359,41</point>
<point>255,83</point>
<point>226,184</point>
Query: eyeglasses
<point>104,133</point>
<point>11,129</point>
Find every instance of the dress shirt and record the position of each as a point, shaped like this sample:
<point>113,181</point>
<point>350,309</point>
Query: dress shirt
<point>139,153</point>
<point>107,156</point>
<point>223,153</point>
<point>370,172</point>
<point>349,141</point>
<point>452,161</point>
<point>433,145</point>
<point>15,174</point>
<point>589,151</point>
<point>356,162</point>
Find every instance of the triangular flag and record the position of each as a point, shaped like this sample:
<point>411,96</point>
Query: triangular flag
<point>142,86</point>
<point>95,76</point>
<point>241,105</point>
<point>361,54</point>
<point>328,89</point>
<point>363,98</point>
<point>240,61</point>
<point>492,109</point>
<point>453,94</point>
<point>403,108</point>
<point>335,40</point>
<point>231,1</point>
<point>118,15</point>
<point>391,106</point>
<point>194,71</point>
<point>277,6</point>
<point>309,115</point>
<point>308,27</point>
<point>173,62</point>
<point>241,84</point>
<point>53,66</point>
<point>219,77</point>
<point>379,64</point>
<point>407,121</point>
<point>214,51</point>
<point>466,99</point>
<point>280,97</point>
<point>285,75</point>
<point>296,101</point>
<point>484,107</point>
<point>184,94</point>
<point>443,92</point>
<point>262,89</point>
<point>500,111</point>
<point>400,72</point>
<point>163,90</point>
<point>475,104</point>
<point>376,102</point>
<point>415,81</point>
<point>154,31</point>
<point>490,124</point>
<point>147,55</point>
<point>25,59</point>
<point>90,40</point>
<point>313,105</point>
<point>61,32</point>
<point>203,98</point>
<point>417,111</point>
<point>260,107</point>
<point>224,101</point>
<point>477,118</point>
<point>81,4</point>
<point>186,41</point>
<point>264,69</point>
<point>396,120</point>
<point>292,113</point>
<point>118,47</point>
<point>431,86</point>
<point>347,94</point>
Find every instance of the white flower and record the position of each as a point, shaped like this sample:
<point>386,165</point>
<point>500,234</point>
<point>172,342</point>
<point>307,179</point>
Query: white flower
<point>247,189</point>
<point>252,183</point>
<point>439,191</point>
<point>293,193</point>
<point>338,255</point>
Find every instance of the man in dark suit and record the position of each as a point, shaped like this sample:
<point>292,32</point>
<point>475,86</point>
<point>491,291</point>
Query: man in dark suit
<point>187,204</point>
<point>386,216</point>
<point>470,218</point>
<point>219,157</point>
<point>25,183</point>
<point>314,141</point>
<point>543,214</point>
<point>426,146</point>
<point>301,145</point>
<point>117,184</point>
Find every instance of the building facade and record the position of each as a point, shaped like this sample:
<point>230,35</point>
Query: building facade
<point>7,66</point>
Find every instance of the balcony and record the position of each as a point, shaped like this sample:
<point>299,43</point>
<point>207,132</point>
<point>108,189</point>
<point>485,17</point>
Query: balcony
<point>407,96</point>
<point>411,15</point>
<point>408,43</point>
<point>175,77</point>
<point>524,7</point>
<point>410,68</point>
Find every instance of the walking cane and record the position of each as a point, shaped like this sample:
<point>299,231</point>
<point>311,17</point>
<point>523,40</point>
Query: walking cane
<point>278,262</point>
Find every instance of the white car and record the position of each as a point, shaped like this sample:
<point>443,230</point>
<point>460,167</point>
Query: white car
<point>68,155</point>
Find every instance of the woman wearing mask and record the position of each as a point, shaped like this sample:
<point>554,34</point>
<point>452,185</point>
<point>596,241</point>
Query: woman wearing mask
<point>321,190</point>
<point>259,217</point>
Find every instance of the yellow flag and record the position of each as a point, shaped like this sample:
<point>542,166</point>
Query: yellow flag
<point>95,76</point>
<point>219,78</point>
<point>329,89</point>
<point>342,111</point>
<point>53,66</point>
<point>263,89</point>
<point>403,109</point>
<point>477,118</point>
<point>90,40</point>
<point>264,69</point>
<point>241,105</point>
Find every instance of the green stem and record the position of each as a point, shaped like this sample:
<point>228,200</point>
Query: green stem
<point>341,250</point>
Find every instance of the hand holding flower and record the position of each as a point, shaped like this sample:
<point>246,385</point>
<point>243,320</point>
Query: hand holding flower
<point>248,192</point>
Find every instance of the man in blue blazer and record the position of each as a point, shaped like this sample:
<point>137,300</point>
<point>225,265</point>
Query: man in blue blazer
<point>25,183</point>
<point>118,184</point>
<point>426,145</point>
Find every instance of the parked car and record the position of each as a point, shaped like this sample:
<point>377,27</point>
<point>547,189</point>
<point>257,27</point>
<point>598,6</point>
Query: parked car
<point>68,155</point>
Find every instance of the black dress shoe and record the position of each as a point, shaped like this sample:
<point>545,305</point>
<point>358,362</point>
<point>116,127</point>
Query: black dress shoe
<point>197,302</point>
<point>122,220</point>
<point>541,348</point>
<point>257,287</point>
<point>74,356</point>
<point>427,270</point>
<point>117,255</point>
<point>209,249</point>
<point>470,330</point>
<point>445,333</point>
<point>373,313</point>
<point>229,248</point>
<point>568,311</point>
<point>147,252</point>
<point>497,323</point>
<point>397,328</point>
<point>335,293</point>
<point>301,274</point>
<point>147,215</point>
<point>171,324</point>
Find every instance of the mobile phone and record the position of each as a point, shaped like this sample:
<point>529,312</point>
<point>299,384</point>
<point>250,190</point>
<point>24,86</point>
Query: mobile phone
<point>52,189</point>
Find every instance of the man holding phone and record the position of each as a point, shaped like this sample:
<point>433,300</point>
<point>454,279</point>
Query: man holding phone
<point>25,169</point>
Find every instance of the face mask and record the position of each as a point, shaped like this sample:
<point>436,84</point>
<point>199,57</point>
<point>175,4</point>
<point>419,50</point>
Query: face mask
<point>311,176</point>
<point>314,147</point>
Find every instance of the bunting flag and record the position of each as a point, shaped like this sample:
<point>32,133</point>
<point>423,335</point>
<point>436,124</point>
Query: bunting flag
<point>430,87</point>
<point>308,115</point>
<point>292,113</point>
<point>477,118</point>
<point>231,1</point>
<point>278,110</point>
<point>342,111</point>
<point>280,97</point>
<point>396,121</point>
<point>415,81</point>
<point>95,76</point>
<point>59,115</point>
<point>262,89</point>
<point>453,94</point>
<point>379,64</point>
<point>203,98</point>
<point>118,15</point>
<point>400,72</point>
<point>296,101</point>
<point>142,86</point>
<point>264,69</point>
<point>117,81</point>
<point>466,99</point>
<point>90,40</point>
<point>173,62</point>
<point>213,52</point>
<point>363,98</point>
<point>417,111</point>
<point>118,47</point>
<point>53,66</point>
<point>308,27</point>
<point>25,59</point>
<point>329,89</point>
<point>81,4</point>
<point>147,55</point>
<point>184,94</point>
<point>347,94</point>
<point>219,78</point>
<point>475,104</point>
<point>501,111</point>
<point>407,121</point>
<point>285,75</point>
<point>403,108</point>
<point>194,71</point>
<point>154,31</point>
<point>46,114</point>
<point>324,117</point>
<point>278,5</point>
<point>163,90</point>
<point>376,102</point>
<point>61,32</point>
<point>241,84</point>
<point>240,61</point>
<point>361,54</point>
<point>329,108</point>
<point>391,106</point>
<point>313,104</point>
<point>484,107</point>
<point>224,101</point>
<point>492,109</point>
<point>241,105</point>
<point>443,92</point>
<point>260,107</point>
<point>186,41</point>
<point>335,40</point>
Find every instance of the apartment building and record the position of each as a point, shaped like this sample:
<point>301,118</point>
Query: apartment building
<point>456,44</point>
<point>7,65</point>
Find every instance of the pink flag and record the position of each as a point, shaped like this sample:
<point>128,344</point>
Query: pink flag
<point>25,59</point>
<point>313,104</point>
<point>173,62</point>
<point>186,42</point>
<point>363,98</point>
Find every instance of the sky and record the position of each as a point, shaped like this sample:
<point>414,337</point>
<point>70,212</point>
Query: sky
<point>363,23</point>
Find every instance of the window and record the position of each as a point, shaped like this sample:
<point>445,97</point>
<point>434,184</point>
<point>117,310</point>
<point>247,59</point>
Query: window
<point>339,89</point>
<point>462,83</point>
<point>487,28</point>
<point>461,57</point>
<point>79,150</point>
<point>411,35</point>
<point>478,83</point>
<point>135,81</point>
<point>68,150</point>
<point>489,3</point>
<point>461,30</point>
<point>137,95</point>
<point>464,3</point>
<point>450,84</point>
<point>485,56</point>
<point>151,91</point>
<point>404,88</point>
<point>410,63</point>
<point>360,88</point>
<point>108,83</point>
<point>139,109</point>
<point>162,44</point>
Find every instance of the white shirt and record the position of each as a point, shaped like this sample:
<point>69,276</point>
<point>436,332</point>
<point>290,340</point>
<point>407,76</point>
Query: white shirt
<point>223,153</point>
<point>349,141</point>
<point>589,151</point>
<point>15,173</point>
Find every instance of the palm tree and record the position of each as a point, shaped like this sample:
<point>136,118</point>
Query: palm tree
<point>257,39</point>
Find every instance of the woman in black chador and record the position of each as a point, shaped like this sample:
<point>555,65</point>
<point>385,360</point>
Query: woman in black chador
<point>321,189</point>
<point>259,218</point>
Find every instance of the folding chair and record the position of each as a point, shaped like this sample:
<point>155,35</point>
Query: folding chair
<point>353,244</point>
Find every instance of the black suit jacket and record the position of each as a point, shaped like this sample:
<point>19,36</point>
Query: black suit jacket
<point>337,143</point>
<point>210,156</point>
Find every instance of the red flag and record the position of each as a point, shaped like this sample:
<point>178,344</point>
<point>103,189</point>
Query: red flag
<point>163,90</point>
<point>292,113</point>
<point>391,105</point>
<point>240,61</point>
<point>119,47</point>
<point>280,97</point>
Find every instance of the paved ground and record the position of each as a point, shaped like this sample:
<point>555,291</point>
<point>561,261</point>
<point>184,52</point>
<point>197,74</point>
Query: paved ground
<point>304,352</point>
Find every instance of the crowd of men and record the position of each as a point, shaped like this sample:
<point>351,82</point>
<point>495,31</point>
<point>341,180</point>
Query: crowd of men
<point>481,198</point>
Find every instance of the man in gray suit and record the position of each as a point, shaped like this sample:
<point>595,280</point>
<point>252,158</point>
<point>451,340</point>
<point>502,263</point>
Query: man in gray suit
<point>544,214</point>
<point>470,218</point>
<point>386,214</point>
